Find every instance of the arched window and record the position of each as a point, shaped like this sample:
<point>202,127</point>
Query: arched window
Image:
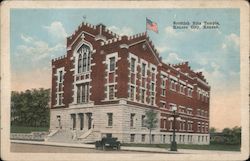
<point>84,59</point>
<point>80,63</point>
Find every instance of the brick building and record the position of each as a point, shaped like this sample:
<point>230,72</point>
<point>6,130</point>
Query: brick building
<point>105,83</point>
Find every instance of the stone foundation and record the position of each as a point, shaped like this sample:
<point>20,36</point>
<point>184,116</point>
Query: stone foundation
<point>121,125</point>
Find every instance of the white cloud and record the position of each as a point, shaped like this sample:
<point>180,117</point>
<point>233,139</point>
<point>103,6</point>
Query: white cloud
<point>121,31</point>
<point>215,66</point>
<point>231,41</point>
<point>162,49</point>
<point>234,39</point>
<point>26,38</point>
<point>224,46</point>
<point>57,30</point>
<point>173,58</point>
<point>37,49</point>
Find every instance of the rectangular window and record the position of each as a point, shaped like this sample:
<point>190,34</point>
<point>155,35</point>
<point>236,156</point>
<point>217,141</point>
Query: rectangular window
<point>60,99</point>
<point>153,74</point>
<point>143,69</point>
<point>78,94</point>
<point>163,81</point>
<point>81,117</point>
<point>152,101</point>
<point>198,127</point>
<point>142,95</point>
<point>110,119</point>
<point>132,66</point>
<point>189,92</point>
<point>132,117</point>
<point>143,138</point>
<point>83,93</point>
<point>112,64</point>
<point>163,92</point>
<point>164,138</point>
<point>73,119</point>
<point>152,88</point>
<point>170,125</point>
<point>163,85</point>
<point>109,135</point>
<point>111,92</point>
<point>60,76</point>
<point>153,138</point>
<point>132,92</point>
<point>162,104</point>
<point>143,120</point>
<point>172,85</point>
<point>132,137</point>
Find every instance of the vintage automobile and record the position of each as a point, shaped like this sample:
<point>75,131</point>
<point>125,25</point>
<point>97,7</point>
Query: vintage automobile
<point>108,142</point>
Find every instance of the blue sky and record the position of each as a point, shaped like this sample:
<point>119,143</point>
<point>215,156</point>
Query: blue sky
<point>38,35</point>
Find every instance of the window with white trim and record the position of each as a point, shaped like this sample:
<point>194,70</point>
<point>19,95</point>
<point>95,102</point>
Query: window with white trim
<point>110,119</point>
<point>190,92</point>
<point>182,88</point>
<point>171,125</point>
<point>132,65</point>
<point>83,93</point>
<point>162,104</point>
<point>111,92</point>
<point>132,93</point>
<point>172,85</point>
<point>132,137</point>
<point>143,120</point>
<point>111,64</point>
<point>142,95</point>
<point>59,88</point>
<point>153,74</point>
<point>60,95</point>
<point>163,85</point>
<point>60,76</point>
<point>83,63</point>
<point>143,71</point>
<point>132,119</point>
<point>143,138</point>
<point>198,127</point>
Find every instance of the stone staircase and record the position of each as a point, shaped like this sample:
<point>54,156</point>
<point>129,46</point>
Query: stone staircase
<point>90,136</point>
<point>69,136</point>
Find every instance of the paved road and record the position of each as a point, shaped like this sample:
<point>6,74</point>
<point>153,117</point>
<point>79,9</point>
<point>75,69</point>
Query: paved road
<point>17,147</point>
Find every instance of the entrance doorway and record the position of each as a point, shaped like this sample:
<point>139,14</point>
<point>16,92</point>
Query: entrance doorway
<point>73,119</point>
<point>81,120</point>
<point>89,118</point>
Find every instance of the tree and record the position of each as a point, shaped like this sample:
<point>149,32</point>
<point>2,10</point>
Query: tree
<point>212,130</point>
<point>232,136</point>
<point>151,122</point>
<point>30,108</point>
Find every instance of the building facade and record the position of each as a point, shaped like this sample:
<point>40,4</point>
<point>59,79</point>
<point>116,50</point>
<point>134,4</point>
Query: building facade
<point>105,83</point>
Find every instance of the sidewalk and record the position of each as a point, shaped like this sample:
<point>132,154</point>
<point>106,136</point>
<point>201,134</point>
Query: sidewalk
<point>126,148</point>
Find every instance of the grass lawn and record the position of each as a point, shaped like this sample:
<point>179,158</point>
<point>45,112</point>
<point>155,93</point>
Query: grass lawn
<point>212,146</point>
<point>22,129</point>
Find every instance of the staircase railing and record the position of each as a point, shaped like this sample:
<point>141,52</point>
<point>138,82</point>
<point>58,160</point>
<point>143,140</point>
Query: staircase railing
<point>86,134</point>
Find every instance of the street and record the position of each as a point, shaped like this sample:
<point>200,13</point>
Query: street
<point>31,148</point>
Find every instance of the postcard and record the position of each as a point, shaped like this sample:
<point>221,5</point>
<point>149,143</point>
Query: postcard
<point>124,80</point>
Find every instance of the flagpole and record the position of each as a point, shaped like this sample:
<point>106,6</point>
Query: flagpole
<point>146,26</point>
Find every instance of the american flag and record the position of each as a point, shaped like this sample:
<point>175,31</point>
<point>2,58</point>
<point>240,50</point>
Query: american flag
<point>151,25</point>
